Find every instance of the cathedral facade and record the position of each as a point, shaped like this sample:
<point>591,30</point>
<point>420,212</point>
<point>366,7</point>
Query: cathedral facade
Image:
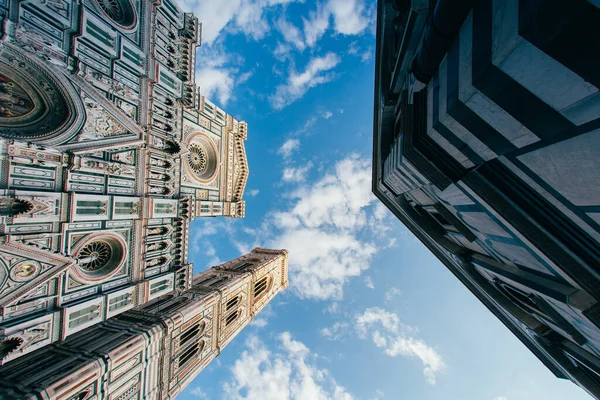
<point>107,153</point>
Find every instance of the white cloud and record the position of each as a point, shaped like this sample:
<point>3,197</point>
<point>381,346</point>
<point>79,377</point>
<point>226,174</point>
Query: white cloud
<point>336,332</point>
<point>259,322</point>
<point>263,318</point>
<point>288,373</point>
<point>392,293</point>
<point>215,83</point>
<point>288,147</point>
<point>243,78</point>
<point>253,192</point>
<point>282,52</point>
<point>369,282</point>
<point>333,308</point>
<point>315,25</point>
<point>396,340</point>
<point>326,225</point>
<point>366,56</point>
<point>322,230</point>
<point>350,17</point>
<point>296,174</point>
<point>217,72</point>
<point>246,16</point>
<point>501,398</point>
<point>327,114</point>
<point>198,393</point>
<point>291,33</point>
<point>297,84</point>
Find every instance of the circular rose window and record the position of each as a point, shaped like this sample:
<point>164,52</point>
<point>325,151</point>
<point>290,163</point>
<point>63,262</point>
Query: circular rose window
<point>202,158</point>
<point>99,257</point>
<point>198,159</point>
<point>121,12</point>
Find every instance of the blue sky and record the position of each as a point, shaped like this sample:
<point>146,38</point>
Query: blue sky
<point>370,313</point>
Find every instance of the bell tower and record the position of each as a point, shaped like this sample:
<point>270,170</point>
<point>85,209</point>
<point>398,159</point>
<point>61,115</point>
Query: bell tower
<point>157,349</point>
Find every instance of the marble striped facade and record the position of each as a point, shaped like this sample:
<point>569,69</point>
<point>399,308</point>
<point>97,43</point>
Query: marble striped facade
<point>108,152</point>
<point>492,163</point>
<point>155,350</point>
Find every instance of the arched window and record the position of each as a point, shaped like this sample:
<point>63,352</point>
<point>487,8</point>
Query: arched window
<point>231,318</point>
<point>261,287</point>
<point>192,332</point>
<point>233,303</point>
<point>189,353</point>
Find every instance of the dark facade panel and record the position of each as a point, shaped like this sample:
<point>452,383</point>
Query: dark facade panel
<point>487,146</point>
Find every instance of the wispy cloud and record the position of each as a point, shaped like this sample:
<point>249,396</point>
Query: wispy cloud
<point>263,319</point>
<point>322,230</point>
<point>317,72</point>
<point>218,71</point>
<point>386,332</point>
<point>369,282</point>
<point>336,332</point>
<point>253,192</point>
<point>291,34</point>
<point>288,148</point>
<point>245,16</point>
<point>290,372</point>
<point>350,17</point>
<point>296,174</point>
<point>327,226</point>
<point>198,393</point>
<point>392,293</point>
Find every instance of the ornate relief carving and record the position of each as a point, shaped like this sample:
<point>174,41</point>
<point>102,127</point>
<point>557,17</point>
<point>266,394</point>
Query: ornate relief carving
<point>111,168</point>
<point>100,124</point>
<point>25,271</point>
<point>21,341</point>
<point>126,157</point>
<point>35,104</point>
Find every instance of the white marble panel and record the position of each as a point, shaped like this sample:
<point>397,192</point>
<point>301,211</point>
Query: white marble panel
<point>481,222</point>
<point>454,126</point>
<point>570,167</point>
<point>465,61</point>
<point>439,139</point>
<point>594,216</point>
<point>505,29</point>
<point>500,120</point>
<point>520,255</point>
<point>584,110</point>
<point>545,77</point>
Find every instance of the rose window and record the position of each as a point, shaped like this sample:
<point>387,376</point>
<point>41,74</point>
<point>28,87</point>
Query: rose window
<point>94,256</point>
<point>197,158</point>
<point>121,12</point>
<point>99,257</point>
<point>202,158</point>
